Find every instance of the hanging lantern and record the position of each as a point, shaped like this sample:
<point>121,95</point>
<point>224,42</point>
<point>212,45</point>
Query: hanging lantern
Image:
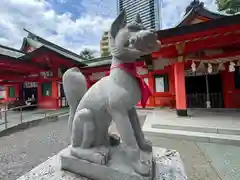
<point>193,66</point>
<point>208,104</point>
<point>201,67</point>
<point>210,68</point>
<point>231,67</point>
<point>221,67</point>
<point>238,63</point>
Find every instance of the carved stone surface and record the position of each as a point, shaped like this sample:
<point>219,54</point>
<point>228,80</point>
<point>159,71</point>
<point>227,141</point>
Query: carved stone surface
<point>167,166</point>
<point>112,98</point>
<point>118,167</point>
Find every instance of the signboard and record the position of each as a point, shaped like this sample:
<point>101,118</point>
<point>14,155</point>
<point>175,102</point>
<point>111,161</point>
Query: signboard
<point>46,74</point>
<point>30,85</point>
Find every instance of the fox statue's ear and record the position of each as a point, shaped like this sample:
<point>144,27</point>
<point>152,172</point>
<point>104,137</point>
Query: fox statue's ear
<point>118,23</point>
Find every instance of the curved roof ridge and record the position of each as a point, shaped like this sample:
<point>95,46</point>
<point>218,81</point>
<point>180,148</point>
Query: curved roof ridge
<point>197,8</point>
<point>11,52</point>
<point>55,46</point>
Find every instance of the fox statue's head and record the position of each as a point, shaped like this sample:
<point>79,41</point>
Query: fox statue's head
<point>129,42</point>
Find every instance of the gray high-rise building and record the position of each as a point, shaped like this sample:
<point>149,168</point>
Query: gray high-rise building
<point>148,9</point>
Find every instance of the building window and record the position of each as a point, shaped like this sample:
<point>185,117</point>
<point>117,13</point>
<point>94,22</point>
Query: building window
<point>161,83</point>
<point>47,89</point>
<point>104,43</point>
<point>11,92</point>
<point>237,77</point>
<point>105,39</point>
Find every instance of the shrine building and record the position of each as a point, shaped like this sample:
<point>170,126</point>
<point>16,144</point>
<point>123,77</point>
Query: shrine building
<point>35,71</point>
<point>196,67</point>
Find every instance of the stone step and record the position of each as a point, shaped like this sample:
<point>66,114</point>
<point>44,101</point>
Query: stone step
<point>194,136</point>
<point>216,130</point>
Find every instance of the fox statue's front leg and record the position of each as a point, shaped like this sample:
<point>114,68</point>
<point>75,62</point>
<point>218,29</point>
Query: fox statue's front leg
<point>143,144</point>
<point>119,109</point>
<point>87,143</point>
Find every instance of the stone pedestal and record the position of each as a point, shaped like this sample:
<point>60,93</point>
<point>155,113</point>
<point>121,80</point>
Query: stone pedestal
<point>167,166</point>
<point>117,168</point>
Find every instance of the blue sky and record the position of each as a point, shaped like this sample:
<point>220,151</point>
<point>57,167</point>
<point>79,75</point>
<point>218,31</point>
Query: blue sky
<point>73,24</point>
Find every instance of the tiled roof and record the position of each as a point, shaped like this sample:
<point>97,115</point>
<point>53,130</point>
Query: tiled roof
<point>208,25</point>
<point>38,42</point>
<point>197,8</point>
<point>7,51</point>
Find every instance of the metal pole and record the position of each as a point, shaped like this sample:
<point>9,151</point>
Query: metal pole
<point>21,116</point>
<point>208,102</point>
<point>5,116</point>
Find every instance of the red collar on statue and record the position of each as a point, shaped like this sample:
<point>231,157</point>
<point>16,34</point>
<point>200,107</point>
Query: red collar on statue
<point>131,69</point>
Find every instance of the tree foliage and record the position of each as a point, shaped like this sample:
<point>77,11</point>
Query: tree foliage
<point>229,6</point>
<point>87,54</point>
<point>105,53</point>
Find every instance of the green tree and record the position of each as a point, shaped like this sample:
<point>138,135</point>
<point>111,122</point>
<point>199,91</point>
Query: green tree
<point>87,54</point>
<point>229,6</point>
<point>105,53</point>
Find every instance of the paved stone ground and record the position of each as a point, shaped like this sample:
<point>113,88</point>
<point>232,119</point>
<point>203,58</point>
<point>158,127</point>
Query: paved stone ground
<point>225,159</point>
<point>196,164</point>
<point>22,151</point>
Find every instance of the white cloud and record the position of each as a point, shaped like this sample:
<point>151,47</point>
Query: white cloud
<point>62,1</point>
<point>40,18</point>
<point>72,30</point>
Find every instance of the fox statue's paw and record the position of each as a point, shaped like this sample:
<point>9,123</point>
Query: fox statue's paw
<point>146,145</point>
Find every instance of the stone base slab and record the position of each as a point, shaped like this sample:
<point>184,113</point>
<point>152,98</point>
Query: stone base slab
<point>167,165</point>
<point>118,167</point>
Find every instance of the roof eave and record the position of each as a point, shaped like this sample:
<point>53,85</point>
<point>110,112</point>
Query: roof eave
<point>54,46</point>
<point>182,30</point>
<point>201,11</point>
<point>186,18</point>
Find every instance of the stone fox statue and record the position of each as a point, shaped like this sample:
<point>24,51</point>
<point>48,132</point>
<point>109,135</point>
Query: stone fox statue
<point>112,98</point>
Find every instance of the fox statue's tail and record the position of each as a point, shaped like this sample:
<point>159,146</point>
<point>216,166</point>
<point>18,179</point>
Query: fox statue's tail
<point>74,86</point>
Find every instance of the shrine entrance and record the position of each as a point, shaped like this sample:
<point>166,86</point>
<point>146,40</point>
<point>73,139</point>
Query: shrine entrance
<point>202,89</point>
<point>30,93</point>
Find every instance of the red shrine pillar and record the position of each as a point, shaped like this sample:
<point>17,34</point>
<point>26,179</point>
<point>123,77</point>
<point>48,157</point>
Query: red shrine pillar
<point>180,90</point>
<point>55,94</point>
